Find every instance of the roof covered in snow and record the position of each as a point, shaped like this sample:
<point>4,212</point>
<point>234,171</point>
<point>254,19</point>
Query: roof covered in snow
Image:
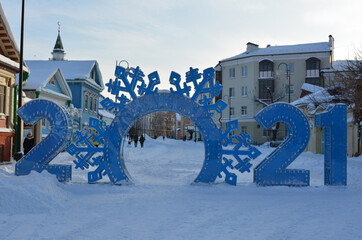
<point>8,28</point>
<point>319,97</point>
<point>106,114</point>
<point>39,78</point>
<point>286,49</point>
<point>311,87</point>
<point>339,65</point>
<point>10,53</point>
<point>71,70</point>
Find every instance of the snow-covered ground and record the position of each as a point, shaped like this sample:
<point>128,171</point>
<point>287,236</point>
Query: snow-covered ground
<point>163,205</point>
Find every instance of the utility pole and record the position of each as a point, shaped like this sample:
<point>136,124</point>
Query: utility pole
<point>18,155</point>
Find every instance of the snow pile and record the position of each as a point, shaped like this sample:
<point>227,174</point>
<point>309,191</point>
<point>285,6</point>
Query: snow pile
<point>163,205</point>
<point>311,87</point>
<point>35,193</point>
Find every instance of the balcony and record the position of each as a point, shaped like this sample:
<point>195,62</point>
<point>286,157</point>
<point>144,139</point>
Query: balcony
<point>266,74</point>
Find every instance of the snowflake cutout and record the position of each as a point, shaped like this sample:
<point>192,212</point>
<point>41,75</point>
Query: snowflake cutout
<point>124,88</point>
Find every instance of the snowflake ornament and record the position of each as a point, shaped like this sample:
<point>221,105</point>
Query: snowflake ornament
<point>127,87</point>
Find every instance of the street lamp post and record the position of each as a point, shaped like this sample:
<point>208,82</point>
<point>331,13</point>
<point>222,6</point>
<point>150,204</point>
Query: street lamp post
<point>18,155</point>
<point>288,77</point>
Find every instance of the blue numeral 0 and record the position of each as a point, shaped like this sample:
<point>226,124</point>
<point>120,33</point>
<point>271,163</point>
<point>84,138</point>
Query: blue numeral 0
<point>61,132</point>
<point>272,170</point>
<point>334,121</point>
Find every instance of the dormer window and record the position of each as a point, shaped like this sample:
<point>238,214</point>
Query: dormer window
<point>93,74</point>
<point>52,81</point>
<point>266,69</point>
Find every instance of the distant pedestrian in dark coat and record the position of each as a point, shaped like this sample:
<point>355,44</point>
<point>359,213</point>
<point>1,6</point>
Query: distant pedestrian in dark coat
<point>135,139</point>
<point>29,143</point>
<point>142,140</point>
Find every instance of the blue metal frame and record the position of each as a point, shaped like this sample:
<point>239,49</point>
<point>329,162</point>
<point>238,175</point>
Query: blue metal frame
<point>147,100</point>
<point>39,157</point>
<point>334,121</point>
<point>273,169</point>
<point>144,105</point>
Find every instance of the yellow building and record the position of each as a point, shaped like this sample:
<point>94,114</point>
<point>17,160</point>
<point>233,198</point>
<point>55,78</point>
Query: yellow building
<point>260,76</point>
<point>9,67</point>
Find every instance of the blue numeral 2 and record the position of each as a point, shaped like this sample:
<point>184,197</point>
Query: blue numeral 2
<point>334,121</point>
<point>39,157</point>
<point>272,170</point>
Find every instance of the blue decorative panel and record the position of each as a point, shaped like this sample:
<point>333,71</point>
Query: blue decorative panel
<point>39,157</point>
<point>108,157</point>
<point>87,153</point>
<point>273,169</point>
<point>146,104</point>
<point>101,146</point>
<point>242,147</point>
<point>334,121</point>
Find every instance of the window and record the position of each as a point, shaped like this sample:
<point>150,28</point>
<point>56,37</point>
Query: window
<point>314,81</point>
<point>52,81</point>
<point>86,102</point>
<point>91,104</point>
<point>266,87</point>
<point>232,72</point>
<point>291,89</point>
<point>244,71</point>
<point>267,133</point>
<point>231,92</point>
<point>232,111</point>
<point>266,69</point>
<point>93,74</point>
<point>244,110</point>
<point>243,129</point>
<point>244,91</point>
<point>312,67</point>
<point>95,105</point>
<point>43,123</point>
<point>291,68</point>
<point>3,99</point>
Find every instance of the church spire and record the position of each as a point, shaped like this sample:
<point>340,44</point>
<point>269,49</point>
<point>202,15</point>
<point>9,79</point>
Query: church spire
<point>58,51</point>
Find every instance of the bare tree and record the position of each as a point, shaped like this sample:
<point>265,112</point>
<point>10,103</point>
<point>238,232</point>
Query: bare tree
<point>349,78</point>
<point>273,98</point>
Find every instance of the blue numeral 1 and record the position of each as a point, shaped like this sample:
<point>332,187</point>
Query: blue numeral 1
<point>334,121</point>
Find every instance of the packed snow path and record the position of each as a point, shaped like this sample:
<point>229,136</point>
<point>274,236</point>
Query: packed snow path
<point>163,205</point>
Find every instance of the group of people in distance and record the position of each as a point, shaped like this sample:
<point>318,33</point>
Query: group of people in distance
<point>135,139</point>
<point>29,141</point>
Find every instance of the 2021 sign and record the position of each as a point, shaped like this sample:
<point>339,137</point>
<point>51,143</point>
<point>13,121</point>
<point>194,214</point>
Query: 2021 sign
<point>199,108</point>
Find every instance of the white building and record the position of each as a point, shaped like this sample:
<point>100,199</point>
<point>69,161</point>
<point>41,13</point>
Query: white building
<point>259,76</point>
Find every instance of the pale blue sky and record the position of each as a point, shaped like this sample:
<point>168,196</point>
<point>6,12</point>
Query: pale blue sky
<point>172,35</point>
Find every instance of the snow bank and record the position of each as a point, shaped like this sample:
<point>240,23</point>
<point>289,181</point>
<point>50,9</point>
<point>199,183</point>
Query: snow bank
<point>35,193</point>
<point>163,205</point>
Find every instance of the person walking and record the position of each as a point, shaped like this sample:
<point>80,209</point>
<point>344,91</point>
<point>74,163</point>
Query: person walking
<point>135,139</point>
<point>142,140</point>
<point>29,143</point>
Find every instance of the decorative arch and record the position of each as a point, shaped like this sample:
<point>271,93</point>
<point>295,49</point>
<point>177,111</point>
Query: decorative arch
<point>147,104</point>
<point>199,108</point>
